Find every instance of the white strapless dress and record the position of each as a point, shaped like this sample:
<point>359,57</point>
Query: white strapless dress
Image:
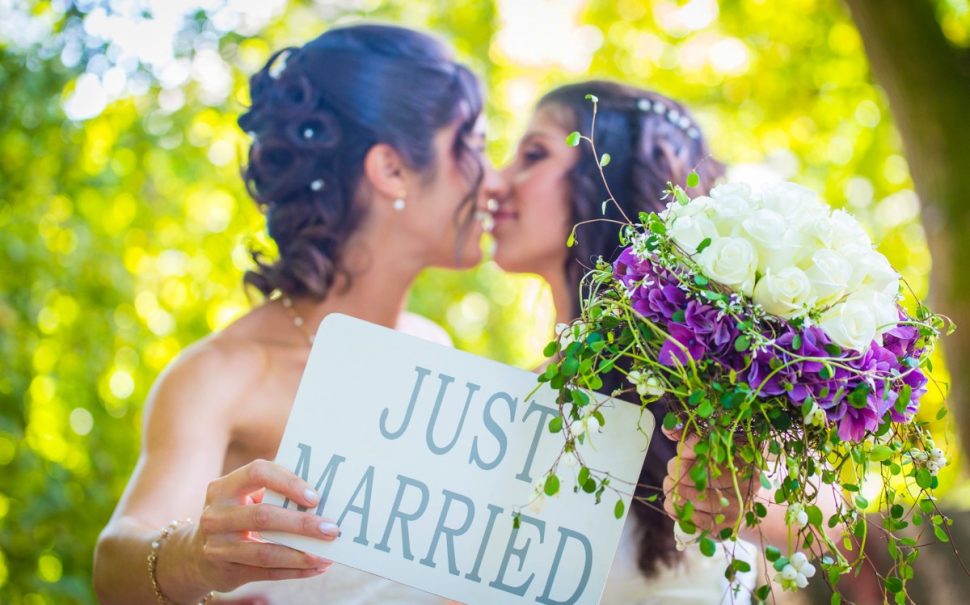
<point>696,580</point>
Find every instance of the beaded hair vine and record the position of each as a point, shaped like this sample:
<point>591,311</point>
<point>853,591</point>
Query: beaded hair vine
<point>672,115</point>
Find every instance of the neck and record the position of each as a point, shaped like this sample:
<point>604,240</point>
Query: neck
<point>563,293</point>
<point>373,293</point>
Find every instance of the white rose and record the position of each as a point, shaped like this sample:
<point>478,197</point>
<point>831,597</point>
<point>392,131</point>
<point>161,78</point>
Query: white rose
<point>784,293</point>
<point>848,230</point>
<point>696,206</point>
<point>731,261</point>
<point>689,231</point>
<point>830,274</point>
<point>742,190</point>
<point>877,274</point>
<point>778,248</point>
<point>816,230</point>
<point>729,210</point>
<point>883,309</point>
<point>850,324</point>
<point>792,200</point>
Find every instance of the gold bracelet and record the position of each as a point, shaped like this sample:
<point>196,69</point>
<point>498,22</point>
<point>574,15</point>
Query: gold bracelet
<point>157,544</point>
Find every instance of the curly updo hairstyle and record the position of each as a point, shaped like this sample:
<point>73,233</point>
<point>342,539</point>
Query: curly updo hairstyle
<point>316,111</point>
<point>652,140</point>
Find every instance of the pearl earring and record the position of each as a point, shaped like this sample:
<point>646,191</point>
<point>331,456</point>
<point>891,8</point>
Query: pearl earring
<point>399,204</point>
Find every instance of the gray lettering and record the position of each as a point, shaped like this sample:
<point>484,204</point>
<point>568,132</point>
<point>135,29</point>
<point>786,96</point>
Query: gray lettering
<point>404,517</point>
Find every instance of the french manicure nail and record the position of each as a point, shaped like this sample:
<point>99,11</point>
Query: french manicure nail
<point>311,495</point>
<point>330,529</point>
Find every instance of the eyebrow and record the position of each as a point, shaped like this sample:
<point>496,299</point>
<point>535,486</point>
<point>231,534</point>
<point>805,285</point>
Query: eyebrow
<point>534,134</point>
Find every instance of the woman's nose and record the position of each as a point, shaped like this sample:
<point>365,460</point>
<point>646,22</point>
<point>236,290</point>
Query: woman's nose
<point>494,187</point>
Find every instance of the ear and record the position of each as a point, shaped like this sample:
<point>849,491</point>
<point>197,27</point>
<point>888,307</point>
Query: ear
<point>385,170</point>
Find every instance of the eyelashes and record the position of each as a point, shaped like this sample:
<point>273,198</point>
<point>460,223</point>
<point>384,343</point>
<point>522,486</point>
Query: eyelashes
<point>531,156</point>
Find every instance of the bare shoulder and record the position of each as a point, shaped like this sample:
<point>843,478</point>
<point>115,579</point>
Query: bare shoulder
<point>207,378</point>
<point>422,327</point>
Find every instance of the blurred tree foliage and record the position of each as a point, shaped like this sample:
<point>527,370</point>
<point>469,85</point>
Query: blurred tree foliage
<point>125,228</point>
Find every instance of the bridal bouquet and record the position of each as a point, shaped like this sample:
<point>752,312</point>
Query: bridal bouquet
<point>771,329</point>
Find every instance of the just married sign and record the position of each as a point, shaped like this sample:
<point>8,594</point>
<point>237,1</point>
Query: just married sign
<point>423,453</point>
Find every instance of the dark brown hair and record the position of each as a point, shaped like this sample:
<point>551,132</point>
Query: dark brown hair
<point>652,140</point>
<point>316,111</point>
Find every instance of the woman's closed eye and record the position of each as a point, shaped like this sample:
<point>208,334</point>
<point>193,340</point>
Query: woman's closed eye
<point>531,155</point>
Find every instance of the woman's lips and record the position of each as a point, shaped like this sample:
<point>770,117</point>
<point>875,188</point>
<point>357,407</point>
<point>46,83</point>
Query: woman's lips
<point>502,215</point>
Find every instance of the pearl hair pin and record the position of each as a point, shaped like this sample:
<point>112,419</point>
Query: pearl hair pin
<point>672,115</point>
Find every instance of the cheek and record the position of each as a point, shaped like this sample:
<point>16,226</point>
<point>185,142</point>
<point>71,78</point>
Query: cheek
<point>544,221</point>
<point>544,201</point>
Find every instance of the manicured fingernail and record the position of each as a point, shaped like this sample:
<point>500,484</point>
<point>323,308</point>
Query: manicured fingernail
<point>311,495</point>
<point>678,426</point>
<point>329,529</point>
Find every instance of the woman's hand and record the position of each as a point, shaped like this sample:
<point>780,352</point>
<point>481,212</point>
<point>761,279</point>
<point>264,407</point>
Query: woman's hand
<point>719,497</point>
<point>227,540</point>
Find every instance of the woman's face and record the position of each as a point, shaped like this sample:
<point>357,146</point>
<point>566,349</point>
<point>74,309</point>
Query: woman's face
<point>447,239</point>
<point>532,217</point>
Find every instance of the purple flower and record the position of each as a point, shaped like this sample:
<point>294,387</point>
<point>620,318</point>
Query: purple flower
<point>670,350</point>
<point>659,302</point>
<point>856,421</point>
<point>628,268</point>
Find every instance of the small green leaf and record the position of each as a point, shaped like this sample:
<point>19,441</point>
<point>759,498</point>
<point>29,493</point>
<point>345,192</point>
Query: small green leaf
<point>571,241</point>
<point>708,548</point>
<point>772,553</point>
<point>583,476</point>
<point>742,343</point>
<point>893,584</point>
<point>555,425</point>
<point>704,244</point>
<point>605,160</point>
<point>552,485</point>
<point>814,515</point>
<point>796,342</point>
<point>618,509</point>
<point>551,349</point>
<point>705,409</point>
<point>573,139</point>
<point>924,479</point>
<point>670,421</point>
<point>880,453</point>
<point>902,401</point>
<point>693,179</point>
<point>765,483</point>
<point>593,98</point>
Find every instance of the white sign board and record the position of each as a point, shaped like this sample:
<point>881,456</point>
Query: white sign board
<point>423,453</point>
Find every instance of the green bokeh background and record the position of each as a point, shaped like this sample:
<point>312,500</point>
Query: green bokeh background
<point>123,232</point>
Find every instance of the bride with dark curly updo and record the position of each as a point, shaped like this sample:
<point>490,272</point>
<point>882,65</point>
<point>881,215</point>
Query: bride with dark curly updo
<point>365,158</point>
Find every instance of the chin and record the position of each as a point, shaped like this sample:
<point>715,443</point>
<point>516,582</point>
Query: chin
<point>506,259</point>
